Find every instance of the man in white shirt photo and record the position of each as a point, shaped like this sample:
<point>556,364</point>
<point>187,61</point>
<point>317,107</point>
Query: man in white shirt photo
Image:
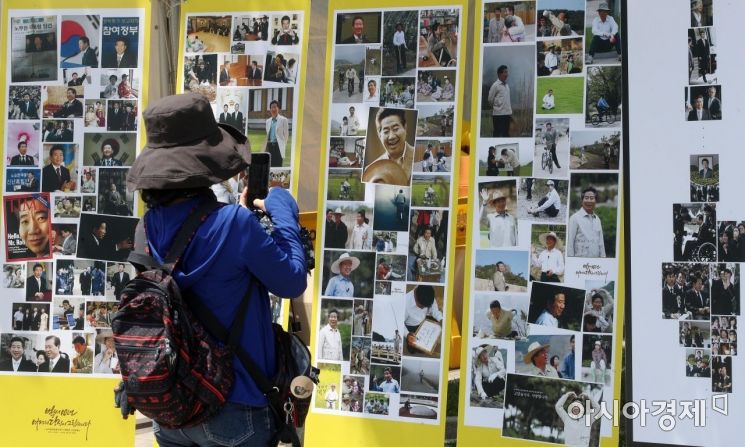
<point>550,204</point>
<point>420,304</point>
<point>361,239</point>
<point>585,231</point>
<point>555,306</point>
<point>502,225</point>
<point>329,338</point>
<point>551,259</point>
<point>501,102</point>
<point>537,355</point>
<point>576,429</point>
<point>605,35</point>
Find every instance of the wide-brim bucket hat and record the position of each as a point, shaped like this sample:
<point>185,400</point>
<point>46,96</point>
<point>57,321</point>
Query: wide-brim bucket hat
<point>186,147</point>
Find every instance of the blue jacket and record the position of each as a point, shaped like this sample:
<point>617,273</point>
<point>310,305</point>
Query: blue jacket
<point>228,246</point>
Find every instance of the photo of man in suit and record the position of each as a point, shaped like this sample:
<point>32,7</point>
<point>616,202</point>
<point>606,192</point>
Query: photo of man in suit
<point>72,108</point>
<point>22,159</point>
<point>85,281</point>
<point>28,108</point>
<point>225,115</point>
<point>55,176</point>
<point>119,280</point>
<point>285,36</point>
<point>115,118</point>
<point>254,73</point>
<point>89,54</point>
<point>358,27</point>
<point>109,150</point>
<point>120,58</point>
<point>236,118</point>
<point>57,362</point>
<point>705,172</point>
<point>713,104</point>
<point>699,113</point>
<point>277,134</point>
<point>17,361</point>
<point>31,185</point>
<point>69,244</point>
<point>36,285</point>
<point>225,74</point>
<point>98,244</point>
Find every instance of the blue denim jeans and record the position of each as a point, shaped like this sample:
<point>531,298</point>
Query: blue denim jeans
<point>234,426</point>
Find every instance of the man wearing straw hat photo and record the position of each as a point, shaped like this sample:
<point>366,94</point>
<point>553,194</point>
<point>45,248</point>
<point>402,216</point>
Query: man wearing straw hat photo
<point>585,231</point>
<point>605,35</point>
<point>551,259</point>
<point>502,225</point>
<point>538,355</point>
<point>187,151</point>
<point>489,372</point>
<point>341,285</point>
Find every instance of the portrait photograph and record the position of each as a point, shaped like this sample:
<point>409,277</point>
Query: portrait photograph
<point>438,37</point>
<point>597,353</point>
<point>400,42</point>
<point>547,252</point>
<point>372,86</point>
<point>108,238</point>
<point>560,57</point>
<point>68,313</point>
<point>698,362</point>
<point>33,49</point>
<point>348,120</point>
<point>418,406</point>
<point>560,95</point>
<point>62,158</point>
<point>14,275</point>
<point>389,149</point>
<point>22,144</point>
<point>388,330</point>
<point>500,316</point>
<point>208,34</point>
<point>603,49</point>
<point>551,153</point>
<point>430,190</point>
<point>350,226</point>
<point>704,178</point>
<point>200,75</point>
<point>435,120</point>
<point>79,46</point>
<point>73,77</point>
<point>286,29</point>
<point>345,152</point>
<point>89,204</point>
<point>433,155</point>
<point>546,355</point>
<point>561,18</point>
<point>595,149</point>
<point>345,184</point>
<point>374,61</point>
<point>337,315</point>
<point>358,27</point>
<point>244,69</point>
<point>702,56</point>
<point>95,113</point>
<point>702,13</point>
<point>436,86</point>
<point>489,375</point>
<point>599,309</point>
<point>27,346</point>
<point>231,107</point>
<point>22,180</point>
<point>384,379</point>
<point>349,74</point>
<point>711,109</point>
<point>108,149</point>
<point>497,224</point>
<point>62,102</point>
<point>348,274</point>
<point>88,182</point>
<point>28,226</point>
<point>39,281</point>
<point>507,97</point>
<point>501,271</point>
<point>398,92</point>
<point>555,306</point>
<point>507,22</point>
<point>30,316</point>
<point>121,116</point>
<point>428,245</point>
<point>281,67</point>
<point>552,399</point>
<point>593,195</point>
<point>420,375</point>
<point>24,102</point>
<point>113,196</point>
<point>694,231</point>
<point>67,279</point>
<point>604,97</point>
<point>120,42</point>
<point>259,122</point>
<point>542,200</point>
<point>392,205</point>
<point>58,131</point>
<point>120,83</point>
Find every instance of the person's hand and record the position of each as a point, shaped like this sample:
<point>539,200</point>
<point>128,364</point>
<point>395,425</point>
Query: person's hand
<point>484,195</point>
<point>493,376</point>
<point>546,13</point>
<point>411,340</point>
<point>612,39</point>
<point>571,395</point>
<point>483,395</point>
<point>550,272</point>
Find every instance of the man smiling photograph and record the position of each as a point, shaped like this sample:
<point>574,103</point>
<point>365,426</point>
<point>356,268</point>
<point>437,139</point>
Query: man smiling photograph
<point>392,153</point>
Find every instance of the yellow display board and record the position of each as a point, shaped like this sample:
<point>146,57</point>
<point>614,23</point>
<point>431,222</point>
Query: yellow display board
<point>387,200</point>
<point>75,87</point>
<point>544,286</point>
<point>243,56</point>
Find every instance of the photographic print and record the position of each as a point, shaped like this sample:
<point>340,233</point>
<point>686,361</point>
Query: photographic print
<point>14,275</point>
<point>33,48</point>
<point>22,180</point>
<point>489,376</point>
<point>433,155</point>
<point>418,406</point>
<point>438,39</point>
<point>348,274</point>
<point>430,191</point>
<point>350,226</point>
<point>62,102</point>
<point>24,102</point>
<point>420,375</point>
<point>345,152</point>
<point>502,316</point>
<point>120,42</point>
<point>507,22</point>
<point>596,358</point>
<point>67,206</point>
<point>704,178</point>
<point>603,34</point>
<point>501,271</point>
<point>200,75</point>
<point>596,196</point>
<point>546,356</point>
<point>79,42</point>
<point>547,252</point>
<point>108,149</point>
<point>107,238</point>
<point>286,29</point>
<point>560,95</point>
<point>702,56</point>
<point>543,200</point>
<point>349,69</point>
<point>604,96</point>
<point>39,281</point>
<point>599,307</point>
<point>561,18</point>
<point>507,97</point>
<point>435,121</point>
<point>694,232</point>
<point>388,330</point>
<point>345,184</point>
<point>423,320</point>
<point>30,316</point>
<point>560,57</point>
<point>208,34</point>
<point>400,43</point>
<point>389,150</point>
<point>428,245</point>
<point>27,227</point>
<point>595,149</point>
<point>398,92</point>
<point>505,160</point>
<point>497,225</point>
<point>345,121</point>
<point>358,27</point>
<point>22,144</point>
<point>335,334</point>
<point>556,306</point>
<point>436,86</point>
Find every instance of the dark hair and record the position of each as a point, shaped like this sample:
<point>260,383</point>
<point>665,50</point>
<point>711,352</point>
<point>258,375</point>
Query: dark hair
<point>125,40</point>
<point>56,340</point>
<point>15,339</point>
<point>85,40</point>
<point>38,265</point>
<point>274,101</point>
<point>590,189</point>
<point>388,369</point>
<point>384,113</point>
<point>285,18</point>
<point>355,18</point>
<point>571,338</point>
<point>501,69</point>
<point>72,90</point>
<point>79,340</point>
<point>495,305</point>
<point>113,77</point>
<point>332,311</point>
<point>551,300</point>
<point>65,301</point>
<point>424,295</point>
<point>705,160</point>
<point>504,152</point>
<point>156,197</point>
<point>22,142</point>
<point>597,295</point>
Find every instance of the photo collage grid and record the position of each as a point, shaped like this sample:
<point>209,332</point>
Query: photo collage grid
<point>703,92</point>
<point>71,135</point>
<point>392,108</point>
<point>248,64</point>
<point>542,314</point>
<point>701,287</point>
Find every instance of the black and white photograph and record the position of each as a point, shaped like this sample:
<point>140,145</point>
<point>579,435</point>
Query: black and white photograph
<point>705,178</point>
<point>694,232</point>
